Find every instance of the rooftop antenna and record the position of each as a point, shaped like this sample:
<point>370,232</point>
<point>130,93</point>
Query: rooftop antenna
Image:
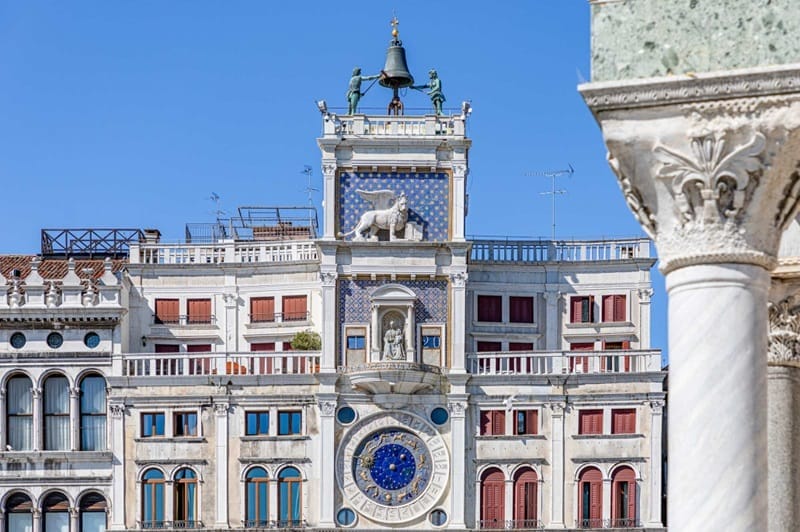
<point>309,172</point>
<point>219,213</point>
<point>553,174</point>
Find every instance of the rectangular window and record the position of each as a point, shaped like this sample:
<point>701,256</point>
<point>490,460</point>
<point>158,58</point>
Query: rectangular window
<point>256,423</point>
<point>493,422</point>
<point>290,423</point>
<point>590,422</point>
<point>490,308</point>
<point>489,347</point>
<point>295,308</point>
<point>520,309</point>
<point>185,424</point>
<point>616,363</point>
<point>581,309</point>
<point>167,311</point>
<point>580,364</point>
<point>199,311</point>
<point>623,421</point>
<point>152,424</point>
<point>520,346</point>
<point>355,342</point>
<point>614,308</point>
<point>262,309</point>
<point>526,422</point>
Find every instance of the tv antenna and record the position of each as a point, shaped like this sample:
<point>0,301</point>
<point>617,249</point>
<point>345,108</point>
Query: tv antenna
<point>309,190</point>
<point>553,174</point>
<point>217,211</point>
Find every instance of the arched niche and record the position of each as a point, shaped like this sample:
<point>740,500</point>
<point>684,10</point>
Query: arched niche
<point>392,306</point>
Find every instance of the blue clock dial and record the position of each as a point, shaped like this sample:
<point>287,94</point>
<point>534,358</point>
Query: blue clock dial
<point>392,467</point>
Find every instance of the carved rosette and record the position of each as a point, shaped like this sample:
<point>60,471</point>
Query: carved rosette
<point>784,333</point>
<point>711,180</point>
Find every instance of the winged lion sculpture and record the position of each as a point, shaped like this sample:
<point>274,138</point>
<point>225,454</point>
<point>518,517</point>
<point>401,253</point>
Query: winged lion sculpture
<point>391,213</point>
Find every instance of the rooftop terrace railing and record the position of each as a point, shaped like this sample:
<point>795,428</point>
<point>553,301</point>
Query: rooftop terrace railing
<point>210,364</point>
<point>395,126</point>
<point>497,250</point>
<point>564,362</point>
<point>225,252</point>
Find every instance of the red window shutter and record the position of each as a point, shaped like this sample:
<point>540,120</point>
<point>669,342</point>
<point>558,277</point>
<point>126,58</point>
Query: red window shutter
<point>525,499</point>
<point>577,306</point>
<point>199,310</point>
<point>498,423</point>
<point>532,421</point>
<point>287,346</point>
<point>520,309</point>
<point>632,501</point>
<point>167,348</point>
<point>262,309</point>
<point>493,499</point>
<point>608,308</point>
<point>619,307</point>
<point>294,308</point>
<point>486,422</point>
<point>590,422</point>
<point>167,311</point>
<point>596,503</point>
<point>262,346</point>
<point>623,421</point>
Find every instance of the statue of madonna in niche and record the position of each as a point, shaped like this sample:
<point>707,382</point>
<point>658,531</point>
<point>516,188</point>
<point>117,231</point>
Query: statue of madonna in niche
<point>394,347</point>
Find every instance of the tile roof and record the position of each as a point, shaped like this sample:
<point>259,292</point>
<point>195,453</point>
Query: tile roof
<point>54,268</point>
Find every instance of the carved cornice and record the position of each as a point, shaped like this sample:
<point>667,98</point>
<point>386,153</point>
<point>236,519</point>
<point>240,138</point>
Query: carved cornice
<point>784,333</point>
<point>746,83</point>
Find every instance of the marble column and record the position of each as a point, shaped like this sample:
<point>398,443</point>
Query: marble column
<point>783,397</point>
<point>36,520</point>
<point>221,411</point>
<point>38,432</point>
<point>460,172</point>
<point>75,419</point>
<point>458,474</point>
<point>557,411</point>
<point>714,182</point>
<point>326,459</point>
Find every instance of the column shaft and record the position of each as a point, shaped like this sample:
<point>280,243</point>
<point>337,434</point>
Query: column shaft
<point>783,433</point>
<point>717,419</point>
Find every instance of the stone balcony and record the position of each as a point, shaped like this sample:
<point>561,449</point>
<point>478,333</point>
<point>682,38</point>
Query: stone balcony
<point>394,126</point>
<point>233,252</point>
<point>516,251</point>
<point>393,377</point>
<point>170,365</point>
<point>564,362</point>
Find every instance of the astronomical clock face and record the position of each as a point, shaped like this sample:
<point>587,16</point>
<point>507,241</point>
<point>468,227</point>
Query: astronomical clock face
<point>393,467</point>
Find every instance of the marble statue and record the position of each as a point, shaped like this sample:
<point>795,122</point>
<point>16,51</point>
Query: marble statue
<point>393,346</point>
<point>391,212</point>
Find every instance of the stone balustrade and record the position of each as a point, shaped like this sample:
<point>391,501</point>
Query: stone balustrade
<point>395,126</point>
<point>563,362</point>
<point>209,364</point>
<point>529,251</point>
<point>225,252</point>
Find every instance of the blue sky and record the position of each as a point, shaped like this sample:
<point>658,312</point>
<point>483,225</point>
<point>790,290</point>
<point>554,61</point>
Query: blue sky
<point>130,114</point>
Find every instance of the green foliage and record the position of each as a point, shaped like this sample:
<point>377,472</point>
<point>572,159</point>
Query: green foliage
<point>306,341</point>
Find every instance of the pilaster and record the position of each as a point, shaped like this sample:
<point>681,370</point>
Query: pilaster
<point>656,423</point>
<point>458,301</point>
<point>552,336</point>
<point>328,280</point>
<point>326,404</point>
<point>36,394</point>
<point>117,411</point>
<point>221,411</point>
<point>74,419</point>
<point>557,411</point>
<point>458,475</point>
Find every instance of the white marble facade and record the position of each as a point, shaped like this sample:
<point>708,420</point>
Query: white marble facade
<point>460,384</point>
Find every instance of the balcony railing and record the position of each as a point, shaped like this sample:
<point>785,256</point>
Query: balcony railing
<point>561,362</point>
<point>201,364</point>
<point>510,524</point>
<point>184,320</point>
<point>281,523</point>
<point>279,317</point>
<point>226,252</point>
<point>395,126</point>
<point>170,525</point>
<point>530,251</point>
<point>588,524</point>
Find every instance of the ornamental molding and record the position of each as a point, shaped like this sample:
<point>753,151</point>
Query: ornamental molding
<point>784,333</point>
<point>705,87</point>
<point>646,295</point>
<point>633,198</point>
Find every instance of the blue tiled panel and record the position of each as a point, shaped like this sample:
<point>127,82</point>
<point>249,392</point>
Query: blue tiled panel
<point>430,306</point>
<point>428,199</point>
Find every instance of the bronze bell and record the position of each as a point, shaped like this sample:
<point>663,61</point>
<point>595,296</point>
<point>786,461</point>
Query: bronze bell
<point>395,69</point>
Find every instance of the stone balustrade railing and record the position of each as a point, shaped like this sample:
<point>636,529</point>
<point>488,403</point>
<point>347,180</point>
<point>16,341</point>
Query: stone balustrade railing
<point>225,252</point>
<point>395,126</point>
<point>563,362</point>
<point>528,251</point>
<point>209,364</point>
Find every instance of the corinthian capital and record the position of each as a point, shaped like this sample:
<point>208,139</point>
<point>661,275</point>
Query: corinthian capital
<point>784,333</point>
<point>710,179</point>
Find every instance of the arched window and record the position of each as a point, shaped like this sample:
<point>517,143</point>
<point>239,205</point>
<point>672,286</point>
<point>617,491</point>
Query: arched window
<point>153,499</point>
<point>19,516</point>
<point>93,513</point>
<point>93,413</point>
<point>256,502</point>
<point>493,508</point>
<point>20,413</point>
<point>526,485</point>
<point>290,512</point>
<point>623,498</point>
<point>185,500</point>
<point>55,511</point>
<point>56,413</point>
<point>590,497</point>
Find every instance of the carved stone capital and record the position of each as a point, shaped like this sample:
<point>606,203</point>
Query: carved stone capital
<point>459,279</point>
<point>645,295</point>
<point>328,278</point>
<point>784,333</point>
<point>552,298</point>
<point>221,409</point>
<point>329,169</point>
<point>36,393</point>
<point>116,410</point>
<point>327,408</point>
<point>711,180</point>
<point>656,406</point>
<point>460,170</point>
<point>558,409</point>
<point>457,408</point>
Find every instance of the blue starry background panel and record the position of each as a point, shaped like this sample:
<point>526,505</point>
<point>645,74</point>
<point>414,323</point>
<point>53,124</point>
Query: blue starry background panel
<point>428,196</point>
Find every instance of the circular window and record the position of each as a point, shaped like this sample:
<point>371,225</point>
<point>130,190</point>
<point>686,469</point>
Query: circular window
<point>346,415</point>
<point>439,415</point>
<point>55,340</point>
<point>18,340</point>
<point>438,517</point>
<point>91,340</point>
<point>346,517</point>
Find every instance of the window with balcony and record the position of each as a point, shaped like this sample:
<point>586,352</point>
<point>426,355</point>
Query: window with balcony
<point>19,407</point>
<point>153,499</point>
<point>256,423</point>
<point>590,491</point>
<point>493,422</point>
<point>490,308</point>
<point>167,311</point>
<point>614,308</point>
<point>93,413</point>
<point>199,365</point>
<point>295,308</point>
<point>290,422</point>
<point>488,347</point>
<point>262,309</point>
<point>56,414</point>
<point>152,424</point>
<point>198,311</point>
<point>262,365</point>
<point>256,498</point>
<point>581,309</point>
<point>623,421</point>
<point>493,505</point>
<point>185,424</point>
<point>520,309</point>
<point>590,422</point>
<point>623,498</point>
<point>526,422</point>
